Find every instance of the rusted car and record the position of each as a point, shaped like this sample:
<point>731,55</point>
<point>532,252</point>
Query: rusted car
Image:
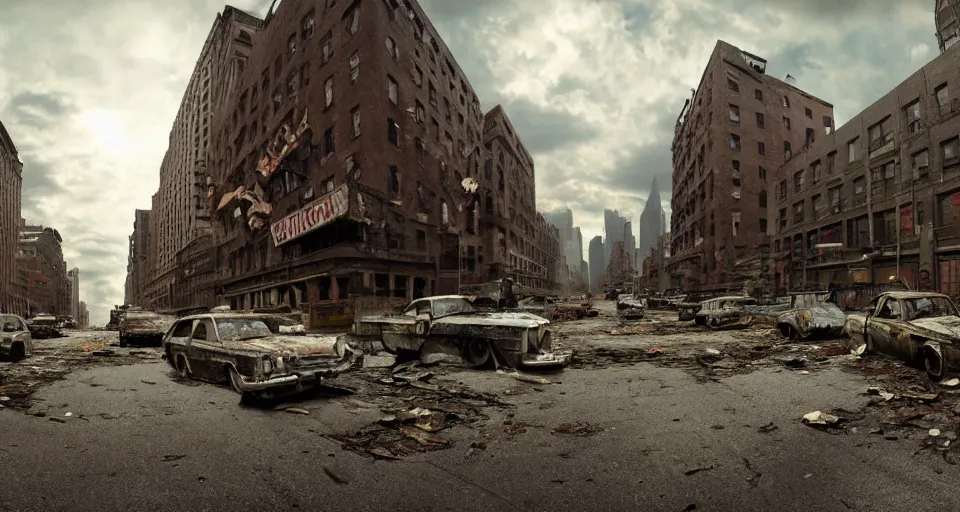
<point>687,311</point>
<point>241,350</point>
<point>630,307</point>
<point>728,312</point>
<point>16,342</point>
<point>538,305</point>
<point>144,328</point>
<point>44,326</point>
<point>918,327</point>
<point>479,337</point>
<point>810,316</point>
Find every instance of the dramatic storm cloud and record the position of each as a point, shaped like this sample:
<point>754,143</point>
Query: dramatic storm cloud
<point>88,91</point>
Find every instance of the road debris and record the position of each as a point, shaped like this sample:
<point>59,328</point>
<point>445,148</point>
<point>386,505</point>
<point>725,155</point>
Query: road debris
<point>697,470</point>
<point>766,429</point>
<point>333,476</point>
<point>581,429</point>
<point>819,418</point>
<point>531,379</point>
<point>297,410</point>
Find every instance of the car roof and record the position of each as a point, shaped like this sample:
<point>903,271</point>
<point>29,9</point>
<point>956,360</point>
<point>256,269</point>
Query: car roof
<point>228,315</point>
<point>914,295</point>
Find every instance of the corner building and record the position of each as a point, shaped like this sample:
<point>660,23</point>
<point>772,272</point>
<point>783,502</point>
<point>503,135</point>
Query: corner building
<point>340,166</point>
<point>12,298</point>
<point>737,129</point>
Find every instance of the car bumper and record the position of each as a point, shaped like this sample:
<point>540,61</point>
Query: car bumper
<point>298,379</point>
<point>548,359</point>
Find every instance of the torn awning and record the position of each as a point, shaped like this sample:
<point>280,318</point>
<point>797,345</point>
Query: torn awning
<point>229,197</point>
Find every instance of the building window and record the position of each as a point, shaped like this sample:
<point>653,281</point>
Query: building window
<point>734,114</point>
<point>809,113</point>
<point>881,134</point>
<point>852,150</point>
<point>950,151</point>
<point>759,120</point>
<point>392,89</point>
<point>787,150</point>
<point>810,135</point>
<point>327,48</point>
<point>943,99</point>
<point>420,150</point>
<point>761,148</point>
<point>786,102</point>
<point>912,114</point>
<point>393,181</point>
<point>355,122</point>
<point>758,94</point>
<point>763,198</point>
<point>418,76</point>
<point>786,123</point>
<point>920,164</point>
<point>798,212</point>
<point>735,142</point>
<point>733,86</point>
<point>354,67</point>
<point>432,94</point>
<point>392,48</point>
<point>797,181</point>
<point>817,171</point>
<point>420,113</point>
<point>393,132</point>
<point>835,194</point>
<point>354,15</point>
<point>444,213</point>
<point>763,173</point>
<point>308,26</point>
<point>421,240</point>
<point>328,92</point>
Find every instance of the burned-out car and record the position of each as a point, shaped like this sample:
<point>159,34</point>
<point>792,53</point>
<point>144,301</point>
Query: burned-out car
<point>15,340</point>
<point>687,311</point>
<point>811,315</point>
<point>240,349</point>
<point>44,326</point>
<point>726,312</point>
<point>512,338</point>
<point>631,307</point>
<point>538,305</point>
<point>144,328</point>
<point>917,327</point>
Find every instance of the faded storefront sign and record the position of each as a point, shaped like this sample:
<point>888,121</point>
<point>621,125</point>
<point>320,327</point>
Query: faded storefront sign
<point>311,217</point>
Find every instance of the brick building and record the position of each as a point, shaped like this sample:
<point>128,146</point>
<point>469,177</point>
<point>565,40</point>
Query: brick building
<point>947,13</point>
<point>139,261</point>
<point>180,209</point>
<point>11,180</point>
<point>40,256</point>
<point>880,198</point>
<point>732,135</point>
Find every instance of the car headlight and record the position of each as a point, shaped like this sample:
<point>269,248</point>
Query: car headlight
<point>267,366</point>
<point>281,366</point>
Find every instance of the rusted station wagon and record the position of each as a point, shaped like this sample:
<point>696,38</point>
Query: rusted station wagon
<point>726,312</point>
<point>240,349</point>
<point>918,327</point>
<point>510,338</point>
<point>811,315</point>
<point>15,340</point>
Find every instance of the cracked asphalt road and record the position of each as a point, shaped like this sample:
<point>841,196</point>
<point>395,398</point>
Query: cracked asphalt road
<point>659,439</point>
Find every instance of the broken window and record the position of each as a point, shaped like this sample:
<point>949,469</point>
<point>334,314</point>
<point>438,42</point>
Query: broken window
<point>786,123</point>
<point>418,76</point>
<point>797,181</point>
<point>734,142</point>
<point>308,26</point>
<point>950,149</point>
<point>419,149</point>
<point>421,240</point>
<point>436,130</point>
<point>734,114</point>
<point>817,171</point>
<point>763,173</point>
<point>786,102</point>
<point>810,135</point>
<point>328,92</point>
<point>807,112</point>
<point>761,148</point>
<point>759,120</point>
<point>327,47</point>
<point>828,125</point>
<point>328,141</point>
<point>277,67</point>
<point>420,112</point>
<point>912,113</point>
<point>732,85</point>
<point>354,67</point>
<point>444,213</point>
<point>355,122</point>
<point>758,94</point>
<point>943,99</point>
<point>392,48</point>
<point>447,111</point>
<point>852,150</point>
<point>293,84</point>
<point>392,89</point>
<point>798,212</point>
<point>393,181</point>
<point>763,198</point>
<point>433,95</point>
<point>292,45</point>
<point>920,162</point>
<point>393,132</point>
<point>787,150</point>
<point>354,18</point>
<point>736,223</point>
<point>835,199</point>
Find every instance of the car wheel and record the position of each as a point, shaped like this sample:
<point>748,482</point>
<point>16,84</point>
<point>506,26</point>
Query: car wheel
<point>235,380</point>
<point>181,366</point>
<point>788,332</point>
<point>18,351</point>
<point>933,363</point>
<point>123,342</point>
<point>477,352</point>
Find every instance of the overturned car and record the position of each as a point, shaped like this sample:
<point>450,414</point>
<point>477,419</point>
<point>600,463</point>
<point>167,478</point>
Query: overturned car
<point>918,327</point>
<point>243,351</point>
<point>811,315</point>
<point>630,307</point>
<point>451,323</point>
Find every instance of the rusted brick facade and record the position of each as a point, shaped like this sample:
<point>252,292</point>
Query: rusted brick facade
<point>11,180</point>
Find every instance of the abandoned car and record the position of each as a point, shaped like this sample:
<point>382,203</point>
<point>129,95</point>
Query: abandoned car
<point>538,305</point>
<point>630,307</point>
<point>811,315</point>
<point>44,326</point>
<point>144,328</point>
<point>917,327</point>
<point>687,311</point>
<point>452,323</point>
<point>15,340</point>
<point>242,350</point>
<point>726,312</point>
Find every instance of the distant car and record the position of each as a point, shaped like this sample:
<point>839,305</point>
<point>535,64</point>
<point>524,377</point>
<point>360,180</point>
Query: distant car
<point>631,307</point>
<point>726,312</point>
<point>144,328</point>
<point>16,342</point>
<point>242,350</point>
<point>810,316</point>
<point>44,326</point>
<point>538,305</point>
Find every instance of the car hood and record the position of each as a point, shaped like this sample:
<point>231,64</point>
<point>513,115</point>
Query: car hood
<point>821,315</point>
<point>301,346</point>
<point>948,326</point>
<point>498,319</point>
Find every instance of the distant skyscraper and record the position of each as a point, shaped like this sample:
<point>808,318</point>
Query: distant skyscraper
<point>652,223</point>
<point>597,262</point>
<point>613,228</point>
<point>570,237</point>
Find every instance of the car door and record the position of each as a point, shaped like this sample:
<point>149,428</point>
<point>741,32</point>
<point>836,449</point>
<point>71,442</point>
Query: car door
<point>201,348</point>
<point>22,334</point>
<point>885,316</point>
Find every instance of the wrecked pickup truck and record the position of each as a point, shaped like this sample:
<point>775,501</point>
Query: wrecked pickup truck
<point>630,307</point>
<point>241,350</point>
<point>921,328</point>
<point>810,316</point>
<point>15,340</point>
<point>451,323</point>
<point>726,312</point>
<point>144,328</point>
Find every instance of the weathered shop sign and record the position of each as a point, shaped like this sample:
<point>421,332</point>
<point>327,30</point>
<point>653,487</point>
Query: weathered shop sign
<point>311,217</point>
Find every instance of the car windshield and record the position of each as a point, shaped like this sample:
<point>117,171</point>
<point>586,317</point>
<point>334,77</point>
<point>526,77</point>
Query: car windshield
<point>444,307</point>
<point>9,319</point>
<point>928,307</point>
<point>234,329</point>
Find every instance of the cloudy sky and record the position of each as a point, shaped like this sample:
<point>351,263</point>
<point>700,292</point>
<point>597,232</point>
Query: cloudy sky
<point>88,91</point>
